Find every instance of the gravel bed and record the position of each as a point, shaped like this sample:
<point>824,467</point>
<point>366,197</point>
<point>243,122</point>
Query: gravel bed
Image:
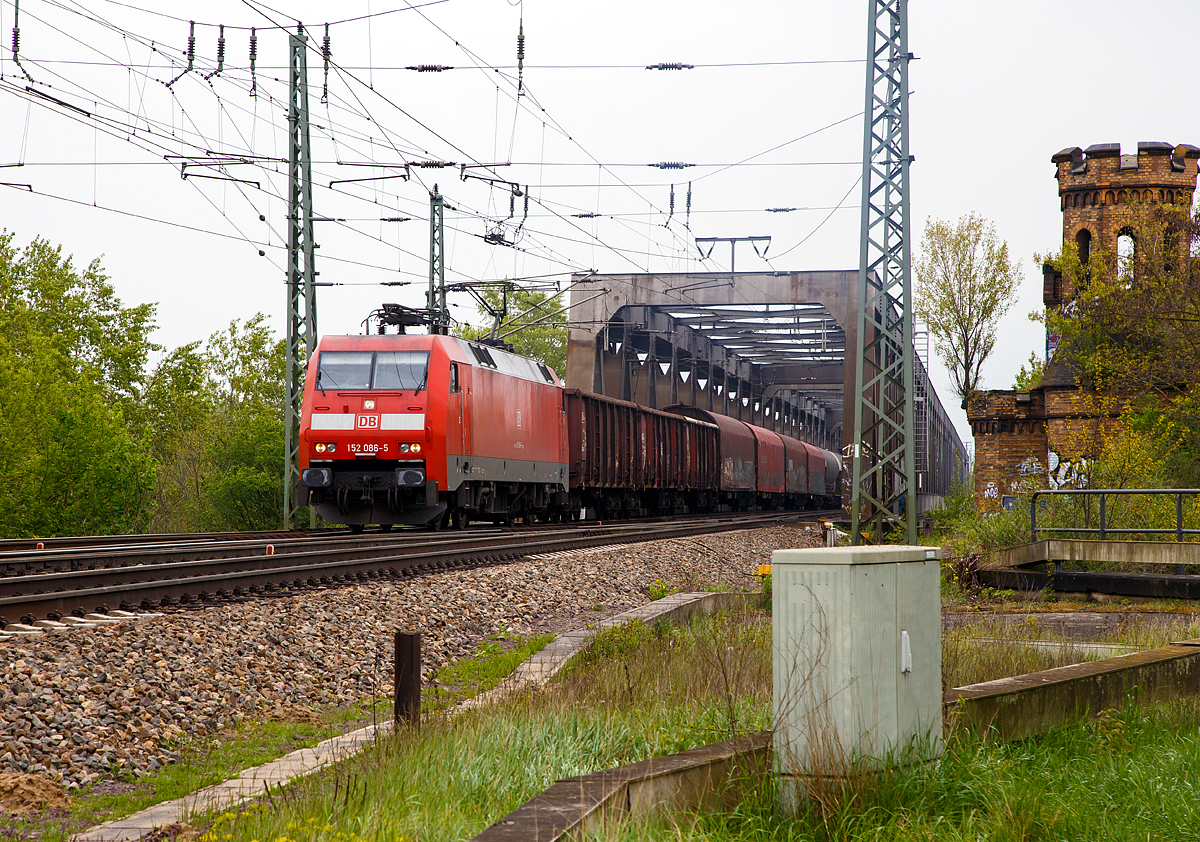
<point>86,705</point>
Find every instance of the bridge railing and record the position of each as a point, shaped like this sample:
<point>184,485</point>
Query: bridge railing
<point>1103,531</point>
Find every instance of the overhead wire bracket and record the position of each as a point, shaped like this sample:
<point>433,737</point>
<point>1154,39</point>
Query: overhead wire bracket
<point>16,41</point>
<point>220,53</point>
<point>191,53</point>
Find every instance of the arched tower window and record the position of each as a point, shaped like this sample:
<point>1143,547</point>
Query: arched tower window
<point>1108,198</point>
<point>1083,243</point>
<point>1126,255</point>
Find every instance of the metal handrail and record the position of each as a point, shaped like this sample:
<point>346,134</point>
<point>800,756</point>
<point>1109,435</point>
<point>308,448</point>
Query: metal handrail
<point>1104,493</point>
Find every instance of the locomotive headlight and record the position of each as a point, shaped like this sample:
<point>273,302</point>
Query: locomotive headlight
<point>416,448</point>
<point>368,403</point>
<point>320,448</point>
<point>404,448</point>
<point>331,447</point>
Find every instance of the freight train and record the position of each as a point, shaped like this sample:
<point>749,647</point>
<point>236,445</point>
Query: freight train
<point>436,430</point>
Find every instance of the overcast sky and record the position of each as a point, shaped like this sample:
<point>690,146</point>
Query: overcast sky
<point>997,89</point>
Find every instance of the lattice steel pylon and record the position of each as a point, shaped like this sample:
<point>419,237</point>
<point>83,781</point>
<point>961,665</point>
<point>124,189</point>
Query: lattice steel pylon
<point>883,495</point>
<point>301,298</point>
<point>435,300</point>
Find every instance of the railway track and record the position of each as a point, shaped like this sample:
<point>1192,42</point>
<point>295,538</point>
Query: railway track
<point>73,542</point>
<point>91,579</point>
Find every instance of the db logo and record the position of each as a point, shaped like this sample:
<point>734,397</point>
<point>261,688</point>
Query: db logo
<point>366,422</point>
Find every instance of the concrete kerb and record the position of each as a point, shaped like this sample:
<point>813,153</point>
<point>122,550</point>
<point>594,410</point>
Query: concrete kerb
<point>703,778</point>
<point>254,782</point>
<point>1023,705</point>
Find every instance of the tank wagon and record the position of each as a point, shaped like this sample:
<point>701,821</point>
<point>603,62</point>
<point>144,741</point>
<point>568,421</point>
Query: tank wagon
<point>436,429</point>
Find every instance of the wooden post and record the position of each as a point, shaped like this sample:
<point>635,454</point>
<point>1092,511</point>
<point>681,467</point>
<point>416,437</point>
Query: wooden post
<point>408,678</point>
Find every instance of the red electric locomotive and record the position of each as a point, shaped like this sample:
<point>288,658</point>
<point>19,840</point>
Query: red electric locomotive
<point>425,429</point>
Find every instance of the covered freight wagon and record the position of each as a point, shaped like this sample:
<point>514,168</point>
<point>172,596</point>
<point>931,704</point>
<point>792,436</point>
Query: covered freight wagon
<point>738,479</point>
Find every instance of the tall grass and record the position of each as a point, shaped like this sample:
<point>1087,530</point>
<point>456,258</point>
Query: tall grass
<point>997,647</point>
<point>1127,776</point>
<point>642,691</point>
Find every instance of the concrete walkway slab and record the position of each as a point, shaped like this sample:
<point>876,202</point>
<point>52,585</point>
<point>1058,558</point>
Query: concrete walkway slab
<point>252,783</point>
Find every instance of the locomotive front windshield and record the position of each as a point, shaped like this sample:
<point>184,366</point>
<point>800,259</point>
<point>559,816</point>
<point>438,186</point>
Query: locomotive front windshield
<point>404,370</point>
<point>380,370</point>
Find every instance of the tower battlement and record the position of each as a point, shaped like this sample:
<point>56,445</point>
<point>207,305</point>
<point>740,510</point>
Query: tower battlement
<point>1098,187</point>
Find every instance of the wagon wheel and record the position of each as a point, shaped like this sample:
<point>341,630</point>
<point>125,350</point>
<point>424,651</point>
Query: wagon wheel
<point>459,519</point>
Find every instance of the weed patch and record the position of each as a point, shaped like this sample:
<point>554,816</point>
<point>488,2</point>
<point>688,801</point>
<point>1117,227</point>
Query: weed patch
<point>494,660</point>
<point>203,763</point>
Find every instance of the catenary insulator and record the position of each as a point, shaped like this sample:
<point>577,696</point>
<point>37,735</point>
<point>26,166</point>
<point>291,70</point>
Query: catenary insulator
<point>253,59</point>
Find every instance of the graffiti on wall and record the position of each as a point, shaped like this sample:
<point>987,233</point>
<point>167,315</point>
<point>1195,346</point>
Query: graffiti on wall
<point>1031,471</point>
<point>990,491</point>
<point>1067,473</point>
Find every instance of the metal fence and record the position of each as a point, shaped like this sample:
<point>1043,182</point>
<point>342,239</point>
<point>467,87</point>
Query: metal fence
<point>1104,530</point>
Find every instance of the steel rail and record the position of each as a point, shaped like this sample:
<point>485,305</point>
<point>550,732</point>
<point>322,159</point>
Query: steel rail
<point>390,561</point>
<point>90,558</point>
<point>70,542</point>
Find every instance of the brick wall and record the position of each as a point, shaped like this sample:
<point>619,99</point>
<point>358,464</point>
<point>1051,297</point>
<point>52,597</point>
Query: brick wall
<point>1010,443</point>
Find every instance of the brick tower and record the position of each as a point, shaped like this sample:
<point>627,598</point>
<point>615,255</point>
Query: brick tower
<point>1050,433</point>
<point>1098,188</point>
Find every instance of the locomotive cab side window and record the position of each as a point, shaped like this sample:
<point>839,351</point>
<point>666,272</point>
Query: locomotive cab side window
<point>454,378</point>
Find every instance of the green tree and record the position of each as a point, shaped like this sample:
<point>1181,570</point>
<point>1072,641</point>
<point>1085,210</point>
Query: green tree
<point>1131,334</point>
<point>44,295</point>
<point>1030,378</point>
<point>965,284</point>
<point>1133,324</point>
<point>216,427</point>
<point>245,447</point>
<point>217,424</point>
<point>532,324</point>
<point>71,363</point>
